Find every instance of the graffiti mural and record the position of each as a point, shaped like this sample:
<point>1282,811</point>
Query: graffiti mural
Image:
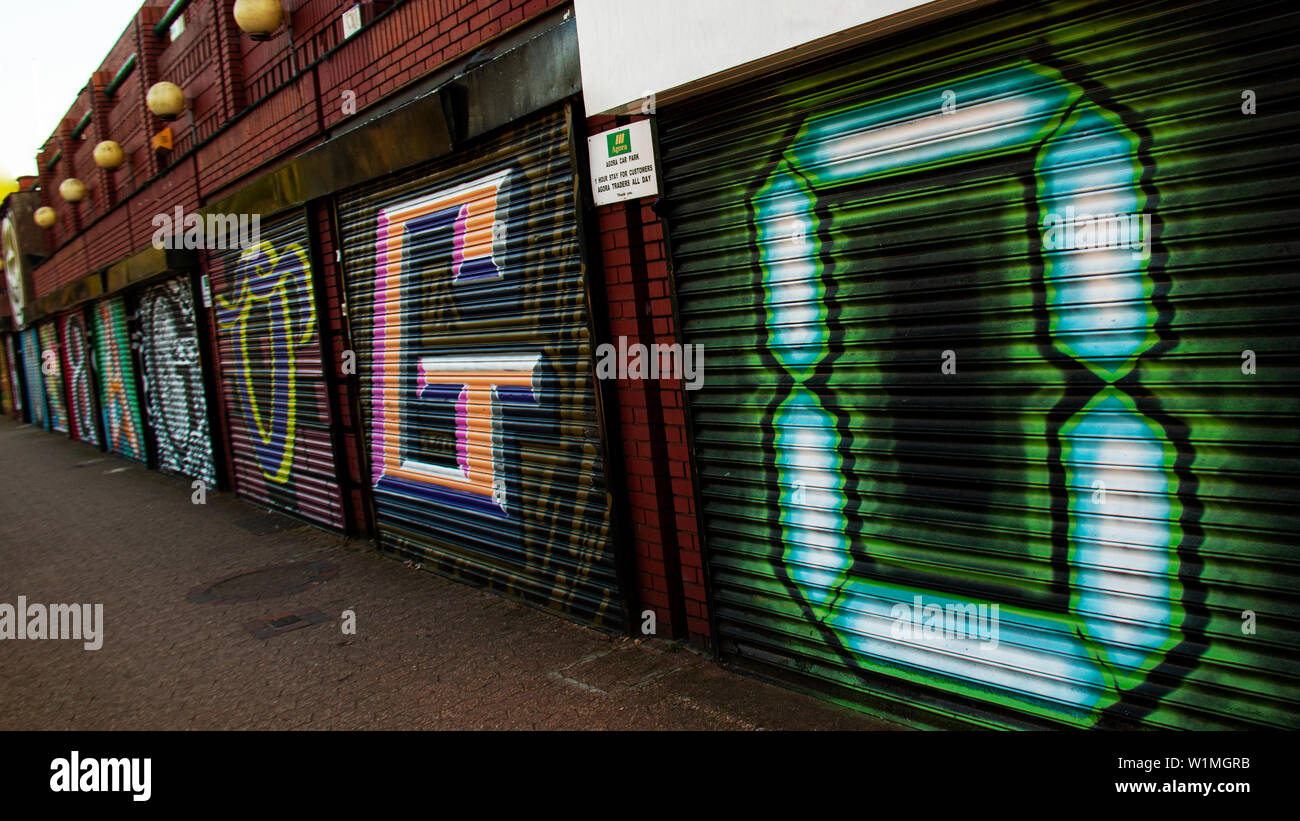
<point>76,359</point>
<point>1123,613</point>
<point>270,356</point>
<point>173,380</point>
<point>31,357</point>
<point>952,375</point>
<point>123,425</point>
<point>52,373</point>
<point>470,324</point>
<point>465,460</point>
<point>15,268</point>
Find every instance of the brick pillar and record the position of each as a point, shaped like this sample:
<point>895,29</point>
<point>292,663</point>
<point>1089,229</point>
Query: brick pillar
<point>660,482</point>
<point>230,58</point>
<point>100,104</point>
<point>148,48</point>
<point>49,193</point>
<point>345,389</point>
<point>68,145</point>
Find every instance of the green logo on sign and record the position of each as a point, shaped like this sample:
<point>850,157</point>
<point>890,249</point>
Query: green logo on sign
<point>618,143</point>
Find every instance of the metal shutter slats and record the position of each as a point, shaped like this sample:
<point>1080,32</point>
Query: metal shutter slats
<point>271,370</point>
<point>925,395</point>
<point>469,273</point>
<point>124,426</point>
<point>173,380</point>
<point>120,404</point>
<point>10,397</point>
<point>52,373</point>
<point>34,380</point>
<point>77,366</point>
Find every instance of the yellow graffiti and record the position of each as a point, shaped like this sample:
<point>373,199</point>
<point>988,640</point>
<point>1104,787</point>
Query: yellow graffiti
<point>264,279</point>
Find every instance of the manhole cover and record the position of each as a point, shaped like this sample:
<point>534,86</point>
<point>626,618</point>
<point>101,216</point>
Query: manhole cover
<point>267,583</point>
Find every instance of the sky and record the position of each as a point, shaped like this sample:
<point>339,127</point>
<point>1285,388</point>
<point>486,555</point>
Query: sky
<point>50,48</point>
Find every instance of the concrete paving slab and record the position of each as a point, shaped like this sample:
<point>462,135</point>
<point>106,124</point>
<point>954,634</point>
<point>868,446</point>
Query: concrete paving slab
<point>77,526</point>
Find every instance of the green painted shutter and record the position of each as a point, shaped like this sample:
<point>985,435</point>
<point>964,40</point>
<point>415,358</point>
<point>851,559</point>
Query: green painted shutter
<point>469,319</point>
<point>1000,313</point>
<point>118,399</point>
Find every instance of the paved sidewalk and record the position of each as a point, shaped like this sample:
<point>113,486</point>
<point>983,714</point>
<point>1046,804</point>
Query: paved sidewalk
<point>77,525</point>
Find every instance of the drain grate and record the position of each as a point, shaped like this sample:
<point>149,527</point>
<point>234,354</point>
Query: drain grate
<point>267,583</point>
<point>284,624</point>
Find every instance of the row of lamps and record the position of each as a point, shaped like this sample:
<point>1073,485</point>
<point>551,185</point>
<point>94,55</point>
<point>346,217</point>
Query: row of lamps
<point>259,19</point>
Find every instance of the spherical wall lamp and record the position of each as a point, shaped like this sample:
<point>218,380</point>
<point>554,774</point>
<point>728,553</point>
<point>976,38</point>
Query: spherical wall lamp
<point>109,155</point>
<point>46,216</point>
<point>259,18</point>
<point>165,100</point>
<point>72,189</point>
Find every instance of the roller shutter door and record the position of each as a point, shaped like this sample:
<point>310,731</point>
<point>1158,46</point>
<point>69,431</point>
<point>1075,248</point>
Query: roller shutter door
<point>274,388</point>
<point>9,394</point>
<point>466,294</point>
<point>173,380</point>
<point>1000,313</point>
<point>75,348</point>
<point>32,379</point>
<point>52,376</point>
<point>118,398</point>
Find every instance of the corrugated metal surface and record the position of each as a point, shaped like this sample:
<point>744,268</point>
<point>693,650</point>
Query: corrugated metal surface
<point>173,380</point>
<point>10,400</point>
<point>270,357</point>
<point>118,399</point>
<point>75,345</point>
<point>52,371</point>
<point>1001,314</point>
<point>470,325</point>
<point>31,356</point>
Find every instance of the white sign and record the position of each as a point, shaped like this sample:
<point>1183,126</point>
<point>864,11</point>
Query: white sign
<point>623,164</point>
<point>351,21</point>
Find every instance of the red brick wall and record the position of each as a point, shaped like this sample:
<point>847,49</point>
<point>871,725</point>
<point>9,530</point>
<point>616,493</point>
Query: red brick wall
<point>282,122</point>
<point>660,483</point>
<point>83,166</point>
<point>50,177</point>
<point>414,39</point>
<point>102,229</point>
<point>215,64</point>
<point>123,121</point>
<point>192,63</point>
